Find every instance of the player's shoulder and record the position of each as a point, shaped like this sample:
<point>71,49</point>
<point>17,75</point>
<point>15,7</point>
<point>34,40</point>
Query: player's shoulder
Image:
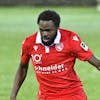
<point>30,39</point>
<point>68,33</point>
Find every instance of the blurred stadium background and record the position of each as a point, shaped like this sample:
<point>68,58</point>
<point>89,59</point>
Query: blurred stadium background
<point>18,20</point>
<point>49,2</point>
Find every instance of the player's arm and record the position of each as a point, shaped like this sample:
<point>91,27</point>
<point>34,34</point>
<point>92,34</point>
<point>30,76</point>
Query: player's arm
<point>95,61</point>
<point>19,78</point>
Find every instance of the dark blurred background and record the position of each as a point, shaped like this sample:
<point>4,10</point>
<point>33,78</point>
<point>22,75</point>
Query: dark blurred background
<point>49,2</point>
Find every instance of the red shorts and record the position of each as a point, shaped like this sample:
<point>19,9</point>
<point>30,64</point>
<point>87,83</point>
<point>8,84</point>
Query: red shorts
<point>73,97</point>
<point>66,97</point>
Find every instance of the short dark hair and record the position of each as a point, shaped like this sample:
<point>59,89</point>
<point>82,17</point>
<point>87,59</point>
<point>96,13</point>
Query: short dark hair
<point>49,15</point>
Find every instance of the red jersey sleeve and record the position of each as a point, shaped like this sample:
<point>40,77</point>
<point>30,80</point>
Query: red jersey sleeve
<point>79,49</point>
<point>25,56</point>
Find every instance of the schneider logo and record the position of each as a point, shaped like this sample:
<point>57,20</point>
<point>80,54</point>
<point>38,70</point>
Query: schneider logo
<point>50,69</point>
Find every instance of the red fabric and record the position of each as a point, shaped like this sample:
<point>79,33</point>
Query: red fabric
<point>55,70</point>
<point>80,95</point>
<point>72,97</point>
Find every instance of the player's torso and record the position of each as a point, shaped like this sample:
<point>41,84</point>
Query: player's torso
<point>52,59</point>
<point>54,65</point>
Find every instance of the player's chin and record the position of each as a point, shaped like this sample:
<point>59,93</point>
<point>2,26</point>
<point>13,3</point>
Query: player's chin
<point>47,43</point>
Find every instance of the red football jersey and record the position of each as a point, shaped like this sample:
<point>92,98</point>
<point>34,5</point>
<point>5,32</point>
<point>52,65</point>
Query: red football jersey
<point>54,64</point>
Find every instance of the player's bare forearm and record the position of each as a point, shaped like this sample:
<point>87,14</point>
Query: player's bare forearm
<point>19,78</point>
<point>98,67</point>
<point>95,62</point>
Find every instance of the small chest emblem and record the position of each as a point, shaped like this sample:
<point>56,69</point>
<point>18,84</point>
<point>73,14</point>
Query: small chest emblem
<point>59,47</point>
<point>35,47</point>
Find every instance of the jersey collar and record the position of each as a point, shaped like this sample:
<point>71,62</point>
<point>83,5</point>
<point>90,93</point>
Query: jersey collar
<point>56,41</point>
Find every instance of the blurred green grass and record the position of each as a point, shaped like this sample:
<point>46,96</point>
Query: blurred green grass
<point>18,22</point>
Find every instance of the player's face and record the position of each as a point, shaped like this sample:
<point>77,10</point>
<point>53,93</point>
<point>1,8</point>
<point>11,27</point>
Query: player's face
<point>48,31</point>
